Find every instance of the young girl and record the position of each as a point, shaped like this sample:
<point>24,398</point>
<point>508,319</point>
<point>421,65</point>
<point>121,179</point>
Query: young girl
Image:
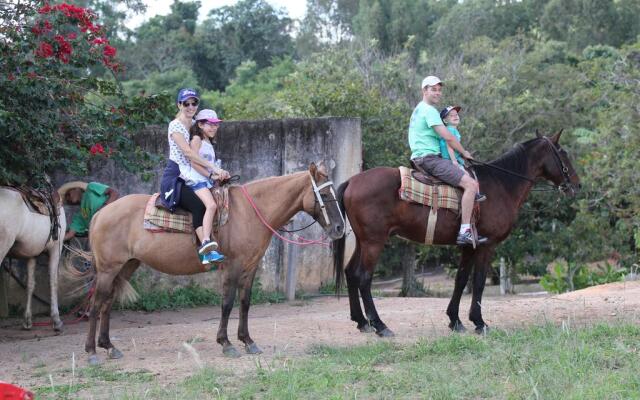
<point>201,134</point>
<point>451,119</point>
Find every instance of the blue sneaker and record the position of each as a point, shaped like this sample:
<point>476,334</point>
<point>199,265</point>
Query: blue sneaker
<point>207,246</point>
<point>211,257</point>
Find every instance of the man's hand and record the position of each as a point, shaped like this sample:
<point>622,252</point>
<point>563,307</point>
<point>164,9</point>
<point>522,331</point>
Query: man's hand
<point>69,235</point>
<point>467,155</point>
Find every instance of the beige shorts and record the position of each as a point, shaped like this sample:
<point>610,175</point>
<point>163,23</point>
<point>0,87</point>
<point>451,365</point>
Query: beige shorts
<point>440,168</point>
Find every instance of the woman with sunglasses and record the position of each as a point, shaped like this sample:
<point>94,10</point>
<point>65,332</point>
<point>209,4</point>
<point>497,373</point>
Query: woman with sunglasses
<point>182,164</point>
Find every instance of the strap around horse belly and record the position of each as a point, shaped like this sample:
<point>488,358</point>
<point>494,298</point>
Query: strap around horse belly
<point>432,219</point>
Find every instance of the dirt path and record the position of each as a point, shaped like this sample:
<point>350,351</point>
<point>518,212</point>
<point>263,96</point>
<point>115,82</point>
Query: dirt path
<point>154,341</point>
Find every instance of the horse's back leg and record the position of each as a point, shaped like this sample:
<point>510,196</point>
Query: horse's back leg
<point>482,265</point>
<point>31,285</point>
<point>54,262</point>
<point>121,280</point>
<point>229,287</point>
<point>462,277</point>
<point>352,273</point>
<point>369,257</point>
<point>245,302</point>
<point>103,290</point>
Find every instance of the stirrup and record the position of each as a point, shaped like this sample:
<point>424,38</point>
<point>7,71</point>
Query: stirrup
<point>480,197</point>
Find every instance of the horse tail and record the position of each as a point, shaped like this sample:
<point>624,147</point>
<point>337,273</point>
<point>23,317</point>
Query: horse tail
<point>79,269</point>
<point>339,244</point>
<point>124,292</point>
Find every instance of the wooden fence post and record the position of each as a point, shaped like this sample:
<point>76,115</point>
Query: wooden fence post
<point>292,265</point>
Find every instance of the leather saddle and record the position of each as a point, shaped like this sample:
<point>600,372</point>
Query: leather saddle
<point>424,177</point>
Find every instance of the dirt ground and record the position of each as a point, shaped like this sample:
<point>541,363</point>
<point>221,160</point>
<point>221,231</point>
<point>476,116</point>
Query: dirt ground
<point>154,341</point>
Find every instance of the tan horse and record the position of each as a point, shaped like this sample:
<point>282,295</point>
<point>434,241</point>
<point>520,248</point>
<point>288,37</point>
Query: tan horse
<point>120,244</point>
<point>25,235</point>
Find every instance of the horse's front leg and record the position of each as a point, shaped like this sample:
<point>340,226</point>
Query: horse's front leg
<point>31,285</point>
<point>54,262</point>
<point>462,276</point>
<point>482,265</point>
<point>229,296</point>
<point>243,326</point>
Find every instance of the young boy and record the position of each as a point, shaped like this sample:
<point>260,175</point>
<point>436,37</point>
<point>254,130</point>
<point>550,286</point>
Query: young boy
<point>451,119</point>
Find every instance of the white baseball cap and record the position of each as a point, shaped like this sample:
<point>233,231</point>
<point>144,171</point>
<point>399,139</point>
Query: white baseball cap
<point>431,81</point>
<point>207,115</point>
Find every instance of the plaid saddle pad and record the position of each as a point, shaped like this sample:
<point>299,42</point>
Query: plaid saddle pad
<point>158,219</point>
<point>412,190</point>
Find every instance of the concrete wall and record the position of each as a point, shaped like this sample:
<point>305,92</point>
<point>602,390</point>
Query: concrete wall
<point>253,150</point>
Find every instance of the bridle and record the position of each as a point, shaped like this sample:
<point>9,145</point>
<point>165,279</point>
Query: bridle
<point>566,185</point>
<point>319,201</point>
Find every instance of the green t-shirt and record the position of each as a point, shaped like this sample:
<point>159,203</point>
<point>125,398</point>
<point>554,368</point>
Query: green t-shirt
<point>92,199</point>
<point>423,139</point>
<point>443,146</point>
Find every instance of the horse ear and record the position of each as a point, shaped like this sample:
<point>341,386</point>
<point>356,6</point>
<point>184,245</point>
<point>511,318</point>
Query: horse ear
<point>538,135</point>
<point>312,169</point>
<point>555,138</point>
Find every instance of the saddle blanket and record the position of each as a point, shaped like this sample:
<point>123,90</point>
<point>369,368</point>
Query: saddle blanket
<point>412,190</point>
<point>158,219</point>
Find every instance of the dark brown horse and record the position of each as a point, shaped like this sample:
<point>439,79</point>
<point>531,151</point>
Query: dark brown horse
<point>370,200</point>
<point>120,244</point>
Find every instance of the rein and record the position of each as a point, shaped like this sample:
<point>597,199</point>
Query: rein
<point>302,241</point>
<point>558,160</point>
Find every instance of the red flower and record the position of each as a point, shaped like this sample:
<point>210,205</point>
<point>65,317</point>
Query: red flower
<point>96,148</point>
<point>45,10</point>
<point>99,40</point>
<point>36,31</point>
<point>47,26</point>
<point>11,77</point>
<point>72,35</point>
<point>109,51</point>
<point>45,50</point>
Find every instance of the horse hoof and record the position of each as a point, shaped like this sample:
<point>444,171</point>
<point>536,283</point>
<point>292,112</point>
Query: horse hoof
<point>114,353</point>
<point>366,328</point>
<point>252,349</point>
<point>27,325</point>
<point>230,351</point>
<point>57,326</point>
<point>457,327</point>
<point>94,360</point>
<point>482,330</point>
<point>386,332</point>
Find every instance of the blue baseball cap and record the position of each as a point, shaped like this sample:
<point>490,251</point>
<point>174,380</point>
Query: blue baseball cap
<point>186,93</point>
<point>445,111</point>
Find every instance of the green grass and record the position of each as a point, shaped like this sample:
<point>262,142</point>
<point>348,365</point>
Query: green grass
<point>192,295</point>
<point>547,362</point>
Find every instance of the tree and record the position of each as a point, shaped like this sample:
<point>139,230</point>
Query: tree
<point>55,113</point>
<point>164,43</point>
<point>249,30</point>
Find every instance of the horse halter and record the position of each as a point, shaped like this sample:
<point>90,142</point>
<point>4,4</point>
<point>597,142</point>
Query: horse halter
<point>564,186</point>
<point>318,198</point>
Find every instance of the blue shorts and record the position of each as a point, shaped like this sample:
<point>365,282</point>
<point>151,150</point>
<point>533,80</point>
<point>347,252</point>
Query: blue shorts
<point>200,185</point>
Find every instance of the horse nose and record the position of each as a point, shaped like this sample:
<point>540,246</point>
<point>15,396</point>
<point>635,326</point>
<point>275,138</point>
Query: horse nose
<point>339,228</point>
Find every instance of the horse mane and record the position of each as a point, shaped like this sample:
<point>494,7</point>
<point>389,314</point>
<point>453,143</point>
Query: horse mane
<point>515,160</point>
<point>278,177</point>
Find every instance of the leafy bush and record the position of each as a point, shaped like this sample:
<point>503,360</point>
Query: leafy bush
<point>566,277</point>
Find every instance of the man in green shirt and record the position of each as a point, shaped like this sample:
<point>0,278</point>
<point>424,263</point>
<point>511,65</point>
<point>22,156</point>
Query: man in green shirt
<point>425,130</point>
<point>91,197</point>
